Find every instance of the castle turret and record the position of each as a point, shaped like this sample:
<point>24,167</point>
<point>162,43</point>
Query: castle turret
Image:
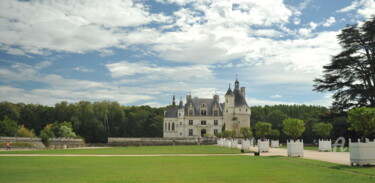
<point>229,98</point>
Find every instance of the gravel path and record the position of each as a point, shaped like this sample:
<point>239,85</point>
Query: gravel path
<point>332,157</point>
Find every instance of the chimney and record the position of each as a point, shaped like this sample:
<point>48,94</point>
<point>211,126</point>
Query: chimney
<point>216,97</point>
<point>188,97</point>
<point>243,91</point>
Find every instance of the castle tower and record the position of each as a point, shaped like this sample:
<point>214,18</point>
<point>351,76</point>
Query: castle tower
<point>236,111</point>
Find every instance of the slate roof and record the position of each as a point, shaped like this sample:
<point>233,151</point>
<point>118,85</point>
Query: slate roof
<point>209,105</point>
<point>171,112</point>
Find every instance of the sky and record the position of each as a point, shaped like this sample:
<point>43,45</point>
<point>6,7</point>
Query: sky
<point>142,52</point>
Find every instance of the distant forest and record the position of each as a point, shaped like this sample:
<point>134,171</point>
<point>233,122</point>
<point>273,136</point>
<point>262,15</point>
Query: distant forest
<point>95,121</point>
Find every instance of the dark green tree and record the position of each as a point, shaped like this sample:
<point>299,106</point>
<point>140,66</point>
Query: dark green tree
<point>351,73</point>
<point>8,127</point>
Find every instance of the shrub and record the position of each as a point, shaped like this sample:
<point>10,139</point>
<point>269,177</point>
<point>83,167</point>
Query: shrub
<point>293,127</point>
<point>262,129</point>
<point>362,121</point>
<point>274,134</point>
<point>246,132</point>
<point>24,132</point>
<point>322,129</point>
<point>45,138</point>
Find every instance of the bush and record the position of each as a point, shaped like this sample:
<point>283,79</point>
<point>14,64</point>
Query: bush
<point>293,127</point>
<point>45,138</point>
<point>322,129</point>
<point>274,134</point>
<point>262,129</point>
<point>246,132</point>
<point>24,132</point>
<point>362,121</point>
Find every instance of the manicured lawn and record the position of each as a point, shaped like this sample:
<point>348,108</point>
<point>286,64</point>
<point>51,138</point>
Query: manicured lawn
<point>196,149</point>
<point>177,169</point>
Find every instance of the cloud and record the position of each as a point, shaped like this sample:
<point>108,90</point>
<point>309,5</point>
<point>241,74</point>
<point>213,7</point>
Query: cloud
<point>276,96</point>
<point>364,8</point>
<point>39,27</point>
<point>154,72</point>
<point>83,69</point>
<point>329,22</point>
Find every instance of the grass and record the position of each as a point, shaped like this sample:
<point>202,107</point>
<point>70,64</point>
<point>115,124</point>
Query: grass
<point>177,169</point>
<point>196,149</point>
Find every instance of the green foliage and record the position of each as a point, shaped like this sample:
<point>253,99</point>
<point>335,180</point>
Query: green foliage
<point>262,129</point>
<point>322,129</point>
<point>219,135</point>
<point>226,133</point>
<point>246,132</point>
<point>8,127</point>
<point>274,134</point>
<point>45,138</point>
<point>362,120</point>
<point>351,72</point>
<point>24,132</point>
<point>293,127</point>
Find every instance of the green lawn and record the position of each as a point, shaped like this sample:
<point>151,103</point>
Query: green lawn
<point>177,169</point>
<point>196,149</point>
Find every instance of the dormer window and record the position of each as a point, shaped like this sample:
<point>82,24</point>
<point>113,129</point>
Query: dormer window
<point>216,113</point>
<point>203,112</point>
<point>190,112</point>
<point>203,105</point>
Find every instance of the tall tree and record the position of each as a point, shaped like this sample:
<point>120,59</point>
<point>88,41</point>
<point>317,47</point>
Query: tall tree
<point>351,73</point>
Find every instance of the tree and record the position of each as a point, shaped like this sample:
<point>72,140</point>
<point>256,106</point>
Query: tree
<point>24,132</point>
<point>274,134</point>
<point>8,127</point>
<point>322,129</point>
<point>276,118</point>
<point>362,120</point>
<point>293,127</point>
<point>351,73</point>
<point>262,129</point>
<point>246,132</point>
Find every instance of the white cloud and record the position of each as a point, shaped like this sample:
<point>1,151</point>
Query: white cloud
<point>154,72</point>
<point>68,26</point>
<point>276,96</point>
<point>83,69</point>
<point>364,8</point>
<point>329,22</point>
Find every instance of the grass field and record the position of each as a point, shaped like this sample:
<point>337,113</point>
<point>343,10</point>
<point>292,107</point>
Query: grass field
<point>218,168</point>
<point>196,149</point>
<point>177,169</point>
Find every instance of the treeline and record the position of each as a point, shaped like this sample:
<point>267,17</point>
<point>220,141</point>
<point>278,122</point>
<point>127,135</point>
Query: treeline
<point>95,122</point>
<point>309,114</point>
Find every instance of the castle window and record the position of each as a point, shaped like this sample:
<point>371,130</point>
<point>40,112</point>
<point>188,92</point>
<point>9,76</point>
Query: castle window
<point>203,122</point>
<point>172,126</point>
<point>216,122</point>
<point>203,112</point>
<point>190,132</point>
<point>190,112</point>
<point>190,122</point>
<point>216,113</point>
<point>180,123</point>
<point>180,134</point>
<point>179,114</point>
<point>240,110</point>
<point>215,132</point>
<point>227,101</point>
<point>246,110</point>
<point>165,126</point>
<point>169,127</point>
<point>203,105</point>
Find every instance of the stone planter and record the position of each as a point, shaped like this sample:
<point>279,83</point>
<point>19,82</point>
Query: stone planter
<point>226,143</point>
<point>263,146</point>
<point>325,145</point>
<point>275,144</point>
<point>362,153</point>
<point>295,148</point>
<point>246,144</point>
<point>234,143</point>
<point>220,142</point>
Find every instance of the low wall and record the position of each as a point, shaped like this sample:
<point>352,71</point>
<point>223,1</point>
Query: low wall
<point>121,141</point>
<point>36,143</point>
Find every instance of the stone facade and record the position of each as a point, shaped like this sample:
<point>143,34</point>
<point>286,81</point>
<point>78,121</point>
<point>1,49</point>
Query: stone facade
<point>200,116</point>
